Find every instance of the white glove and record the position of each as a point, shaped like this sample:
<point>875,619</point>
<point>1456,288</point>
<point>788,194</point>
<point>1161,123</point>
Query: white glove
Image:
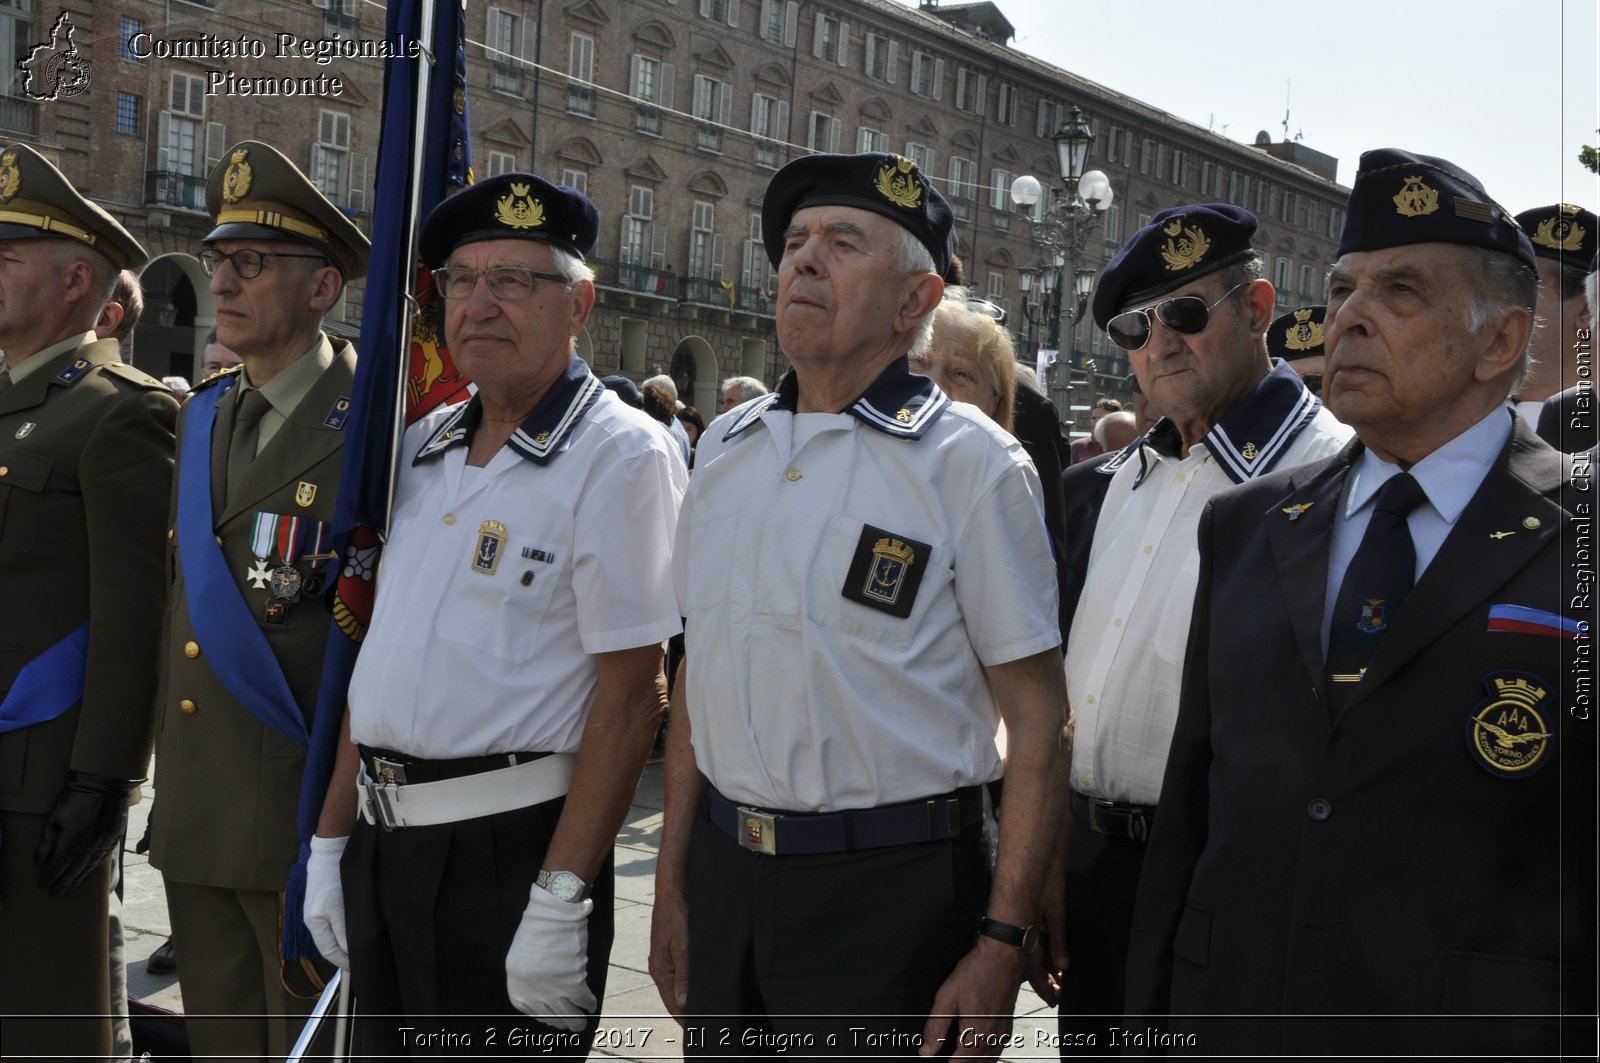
<point>547,967</point>
<point>324,910</point>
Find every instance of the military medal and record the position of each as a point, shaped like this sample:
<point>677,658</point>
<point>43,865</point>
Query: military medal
<point>276,614</point>
<point>285,583</point>
<point>286,578</point>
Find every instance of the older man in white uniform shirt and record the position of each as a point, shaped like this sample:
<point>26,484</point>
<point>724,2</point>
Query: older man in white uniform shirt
<point>514,655</point>
<point>868,590</point>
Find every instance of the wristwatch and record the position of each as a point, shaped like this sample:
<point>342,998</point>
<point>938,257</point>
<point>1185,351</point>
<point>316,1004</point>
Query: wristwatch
<point>1022,938</point>
<point>563,886</point>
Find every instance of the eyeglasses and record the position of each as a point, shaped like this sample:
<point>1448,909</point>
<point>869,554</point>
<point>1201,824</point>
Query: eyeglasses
<point>247,262</point>
<point>505,282</point>
<point>1188,314</point>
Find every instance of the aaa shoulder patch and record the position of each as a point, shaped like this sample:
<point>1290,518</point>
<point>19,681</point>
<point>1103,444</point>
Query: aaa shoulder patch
<point>1507,733</point>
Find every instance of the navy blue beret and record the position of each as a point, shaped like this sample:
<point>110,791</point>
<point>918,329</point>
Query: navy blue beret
<point>875,181</point>
<point>1297,334</point>
<point>1174,248</point>
<point>1561,231</point>
<point>511,206</point>
<point>1401,198</point>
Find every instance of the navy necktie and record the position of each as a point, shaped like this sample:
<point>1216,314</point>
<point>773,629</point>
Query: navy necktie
<point>1375,586</point>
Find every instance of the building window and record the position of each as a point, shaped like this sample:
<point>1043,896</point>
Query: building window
<point>1313,214</point>
<point>921,155</point>
<point>127,29</point>
<point>1000,190</point>
<point>971,88</point>
<point>778,21</point>
<point>720,11</point>
<point>505,47</point>
<point>927,75</point>
<point>1117,146</point>
<point>824,132</point>
<point>963,185</point>
<point>186,108</point>
<point>1047,117</point>
<point>1179,170</point>
<point>1113,223</point>
<point>1006,104</point>
<point>580,74</point>
<point>1282,278</point>
<point>1263,199</point>
<point>501,162</point>
<point>578,179</point>
<point>128,113</point>
<point>705,248</point>
<point>1335,222</point>
<point>831,40</point>
<point>1239,189</point>
<point>1288,205</point>
<point>711,99</point>
<point>329,154</point>
<point>883,55</point>
<point>997,288</point>
<point>652,87</point>
<point>1308,282</point>
<point>1147,156</point>
<point>769,124</point>
<point>643,245</point>
<point>871,140</point>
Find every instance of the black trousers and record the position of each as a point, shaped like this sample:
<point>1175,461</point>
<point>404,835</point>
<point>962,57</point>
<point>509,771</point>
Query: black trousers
<point>431,912</point>
<point>1102,881</point>
<point>836,955</point>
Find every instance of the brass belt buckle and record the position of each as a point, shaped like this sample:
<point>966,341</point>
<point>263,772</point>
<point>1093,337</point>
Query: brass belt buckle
<point>758,831</point>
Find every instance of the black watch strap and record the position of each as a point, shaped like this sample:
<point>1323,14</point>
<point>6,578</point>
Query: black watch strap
<point>1022,938</point>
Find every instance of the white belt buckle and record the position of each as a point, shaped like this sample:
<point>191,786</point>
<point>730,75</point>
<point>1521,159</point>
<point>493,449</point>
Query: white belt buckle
<point>758,830</point>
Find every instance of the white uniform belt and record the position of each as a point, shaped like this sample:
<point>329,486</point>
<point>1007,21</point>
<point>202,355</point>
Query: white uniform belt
<point>488,793</point>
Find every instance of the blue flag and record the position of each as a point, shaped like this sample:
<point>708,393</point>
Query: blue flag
<point>370,433</point>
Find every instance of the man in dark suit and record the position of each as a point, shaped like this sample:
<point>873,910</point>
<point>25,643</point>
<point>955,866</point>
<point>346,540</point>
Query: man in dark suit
<point>259,453</point>
<point>1564,237</point>
<point>1376,828</point>
<point>85,467</point>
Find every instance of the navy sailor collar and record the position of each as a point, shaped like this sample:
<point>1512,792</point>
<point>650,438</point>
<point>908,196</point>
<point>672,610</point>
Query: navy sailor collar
<point>1250,438</point>
<point>899,403</point>
<point>543,434</point>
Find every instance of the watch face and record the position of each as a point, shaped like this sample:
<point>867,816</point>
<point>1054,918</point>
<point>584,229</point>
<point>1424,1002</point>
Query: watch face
<point>563,885</point>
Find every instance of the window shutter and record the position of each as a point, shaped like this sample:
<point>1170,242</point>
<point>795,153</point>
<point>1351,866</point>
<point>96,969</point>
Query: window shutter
<point>358,181</point>
<point>658,244</point>
<point>216,144</point>
<point>894,60</point>
<point>633,77</point>
<point>666,86</point>
<point>816,36</point>
<point>163,133</point>
<point>724,102</point>
<point>733,12</point>
<point>938,79</point>
<point>791,23</point>
<point>844,42</point>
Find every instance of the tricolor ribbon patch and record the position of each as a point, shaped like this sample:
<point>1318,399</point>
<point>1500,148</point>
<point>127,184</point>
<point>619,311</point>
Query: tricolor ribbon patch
<point>1528,621</point>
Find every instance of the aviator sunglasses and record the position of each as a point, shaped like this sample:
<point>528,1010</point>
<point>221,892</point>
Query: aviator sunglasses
<point>1186,314</point>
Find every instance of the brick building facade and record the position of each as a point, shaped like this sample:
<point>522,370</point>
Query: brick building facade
<point>671,115</point>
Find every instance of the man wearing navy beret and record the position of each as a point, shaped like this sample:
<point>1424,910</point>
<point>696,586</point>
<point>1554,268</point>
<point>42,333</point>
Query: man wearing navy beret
<point>510,685</point>
<point>1185,298</point>
<point>1376,831</point>
<point>1564,238</point>
<point>869,590</point>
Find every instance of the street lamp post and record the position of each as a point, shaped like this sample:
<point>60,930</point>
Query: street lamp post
<point>1063,239</point>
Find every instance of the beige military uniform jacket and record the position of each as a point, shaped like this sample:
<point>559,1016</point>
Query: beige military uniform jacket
<point>86,458</point>
<point>226,784</point>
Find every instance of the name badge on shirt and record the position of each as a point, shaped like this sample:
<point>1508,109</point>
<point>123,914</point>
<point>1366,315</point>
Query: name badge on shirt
<point>886,571</point>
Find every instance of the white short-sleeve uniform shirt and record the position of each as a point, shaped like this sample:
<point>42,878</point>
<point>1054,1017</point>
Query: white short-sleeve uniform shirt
<point>844,579</point>
<point>499,584</point>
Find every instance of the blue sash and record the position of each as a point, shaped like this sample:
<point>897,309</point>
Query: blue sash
<point>48,685</point>
<point>225,628</point>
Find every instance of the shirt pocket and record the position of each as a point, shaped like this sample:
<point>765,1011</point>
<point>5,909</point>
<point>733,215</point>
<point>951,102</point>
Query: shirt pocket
<point>847,560</point>
<point>22,483</point>
<point>498,609</point>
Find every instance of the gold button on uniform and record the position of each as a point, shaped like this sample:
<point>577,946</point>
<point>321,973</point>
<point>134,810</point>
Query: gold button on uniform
<point>4,469</point>
<point>170,533</point>
<point>449,518</point>
<point>191,649</point>
<point>1531,523</point>
<point>187,706</point>
<point>793,474</point>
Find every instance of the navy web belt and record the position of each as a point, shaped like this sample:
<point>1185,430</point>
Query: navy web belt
<point>808,833</point>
